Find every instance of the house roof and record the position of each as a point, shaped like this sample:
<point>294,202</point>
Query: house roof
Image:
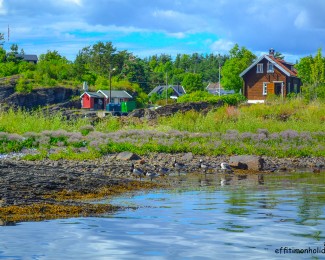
<point>115,93</point>
<point>213,88</point>
<point>280,64</point>
<point>93,94</point>
<point>179,90</point>
<point>28,57</point>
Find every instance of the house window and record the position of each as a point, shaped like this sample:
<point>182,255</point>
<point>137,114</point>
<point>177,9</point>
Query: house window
<point>295,88</point>
<point>259,68</point>
<point>270,67</point>
<point>265,88</point>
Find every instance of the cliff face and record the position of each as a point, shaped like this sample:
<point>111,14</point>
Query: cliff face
<point>37,98</point>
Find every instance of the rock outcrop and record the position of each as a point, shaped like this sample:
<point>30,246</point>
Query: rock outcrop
<point>37,97</point>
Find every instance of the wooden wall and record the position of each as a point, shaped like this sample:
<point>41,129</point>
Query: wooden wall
<point>253,82</point>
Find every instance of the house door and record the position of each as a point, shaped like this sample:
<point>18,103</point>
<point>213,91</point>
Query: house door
<point>278,88</point>
<point>270,88</point>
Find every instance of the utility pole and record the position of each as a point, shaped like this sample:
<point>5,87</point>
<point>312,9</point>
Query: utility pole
<point>110,83</point>
<point>219,78</point>
<point>166,88</point>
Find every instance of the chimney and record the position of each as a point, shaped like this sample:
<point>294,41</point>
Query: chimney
<point>271,52</point>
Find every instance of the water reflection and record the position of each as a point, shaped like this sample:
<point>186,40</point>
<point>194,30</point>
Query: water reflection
<point>207,217</point>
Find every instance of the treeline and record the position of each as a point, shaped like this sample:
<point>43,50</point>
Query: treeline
<point>94,64</point>
<point>99,63</point>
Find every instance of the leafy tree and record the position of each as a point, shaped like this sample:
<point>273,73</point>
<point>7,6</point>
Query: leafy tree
<point>2,40</point>
<point>192,82</point>
<point>240,59</point>
<point>318,70</point>
<point>311,70</point>
<point>304,69</point>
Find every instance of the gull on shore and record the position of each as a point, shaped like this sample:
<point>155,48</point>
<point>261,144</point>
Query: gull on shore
<point>226,167</point>
<point>137,172</point>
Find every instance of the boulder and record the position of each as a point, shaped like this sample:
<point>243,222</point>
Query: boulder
<point>247,162</point>
<point>126,156</point>
<point>187,157</point>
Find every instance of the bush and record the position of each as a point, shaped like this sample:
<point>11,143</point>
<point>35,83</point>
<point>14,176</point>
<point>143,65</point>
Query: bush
<point>23,86</point>
<point>198,96</point>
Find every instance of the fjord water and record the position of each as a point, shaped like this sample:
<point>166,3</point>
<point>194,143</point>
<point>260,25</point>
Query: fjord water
<point>213,217</point>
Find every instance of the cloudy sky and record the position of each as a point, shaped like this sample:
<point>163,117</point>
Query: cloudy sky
<point>295,28</point>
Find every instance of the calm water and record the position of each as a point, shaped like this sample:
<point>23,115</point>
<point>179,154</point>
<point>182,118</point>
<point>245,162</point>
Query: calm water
<point>248,217</point>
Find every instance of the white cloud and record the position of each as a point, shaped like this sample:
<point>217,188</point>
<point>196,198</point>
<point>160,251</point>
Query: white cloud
<point>302,20</point>
<point>3,10</point>
<point>291,26</point>
<point>222,46</point>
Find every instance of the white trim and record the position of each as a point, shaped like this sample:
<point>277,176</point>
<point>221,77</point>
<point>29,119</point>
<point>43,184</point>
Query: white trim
<point>264,89</point>
<point>252,101</point>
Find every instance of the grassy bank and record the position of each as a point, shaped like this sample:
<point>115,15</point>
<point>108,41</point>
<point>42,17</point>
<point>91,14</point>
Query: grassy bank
<point>283,129</point>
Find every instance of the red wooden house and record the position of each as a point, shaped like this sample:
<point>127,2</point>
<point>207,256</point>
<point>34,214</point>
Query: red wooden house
<point>269,75</point>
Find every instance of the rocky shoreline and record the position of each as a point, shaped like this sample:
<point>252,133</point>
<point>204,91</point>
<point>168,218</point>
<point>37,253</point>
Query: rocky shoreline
<point>26,183</point>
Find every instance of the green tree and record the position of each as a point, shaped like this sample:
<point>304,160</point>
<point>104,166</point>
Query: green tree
<point>2,40</point>
<point>239,60</point>
<point>192,82</point>
<point>311,70</point>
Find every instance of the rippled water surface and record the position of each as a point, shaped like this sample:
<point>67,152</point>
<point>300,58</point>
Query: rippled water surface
<point>239,217</point>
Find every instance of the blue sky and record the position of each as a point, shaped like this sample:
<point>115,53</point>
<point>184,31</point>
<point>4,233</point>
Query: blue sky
<point>295,28</point>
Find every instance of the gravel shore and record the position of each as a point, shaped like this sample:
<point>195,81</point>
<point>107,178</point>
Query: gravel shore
<point>29,182</point>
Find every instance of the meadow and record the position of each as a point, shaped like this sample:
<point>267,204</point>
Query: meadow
<point>291,128</point>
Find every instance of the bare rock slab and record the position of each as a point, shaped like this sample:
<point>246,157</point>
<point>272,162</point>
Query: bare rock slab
<point>247,162</point>
<point>127,156</point>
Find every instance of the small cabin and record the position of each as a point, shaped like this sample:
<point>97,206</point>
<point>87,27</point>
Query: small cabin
<point>269,75</point>
<point>99,100</point>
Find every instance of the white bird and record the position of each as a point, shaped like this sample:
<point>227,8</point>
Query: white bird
<point>204,166</point>
<point>137,172</point>
<point>226,167</point>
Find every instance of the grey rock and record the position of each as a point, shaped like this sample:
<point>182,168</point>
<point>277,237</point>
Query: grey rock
<point>126,156</point>
<point>187,157</point>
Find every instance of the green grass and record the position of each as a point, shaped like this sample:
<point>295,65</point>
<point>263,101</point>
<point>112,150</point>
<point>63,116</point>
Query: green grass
<point>284,129</point>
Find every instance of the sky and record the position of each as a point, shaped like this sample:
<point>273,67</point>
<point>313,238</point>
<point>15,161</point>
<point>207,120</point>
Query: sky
<point>295,28</point>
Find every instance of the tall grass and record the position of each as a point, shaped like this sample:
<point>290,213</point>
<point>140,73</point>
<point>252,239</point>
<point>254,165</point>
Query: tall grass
<point>22,121</point>
<point>275,117</point>
<point>291,128</point>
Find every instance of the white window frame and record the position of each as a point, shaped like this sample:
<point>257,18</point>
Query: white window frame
<point>270,67</point>
<point>265,88</point>
<point>259,68</point>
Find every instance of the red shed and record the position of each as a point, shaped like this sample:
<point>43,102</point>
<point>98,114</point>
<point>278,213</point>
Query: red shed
<point>92,100</point>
